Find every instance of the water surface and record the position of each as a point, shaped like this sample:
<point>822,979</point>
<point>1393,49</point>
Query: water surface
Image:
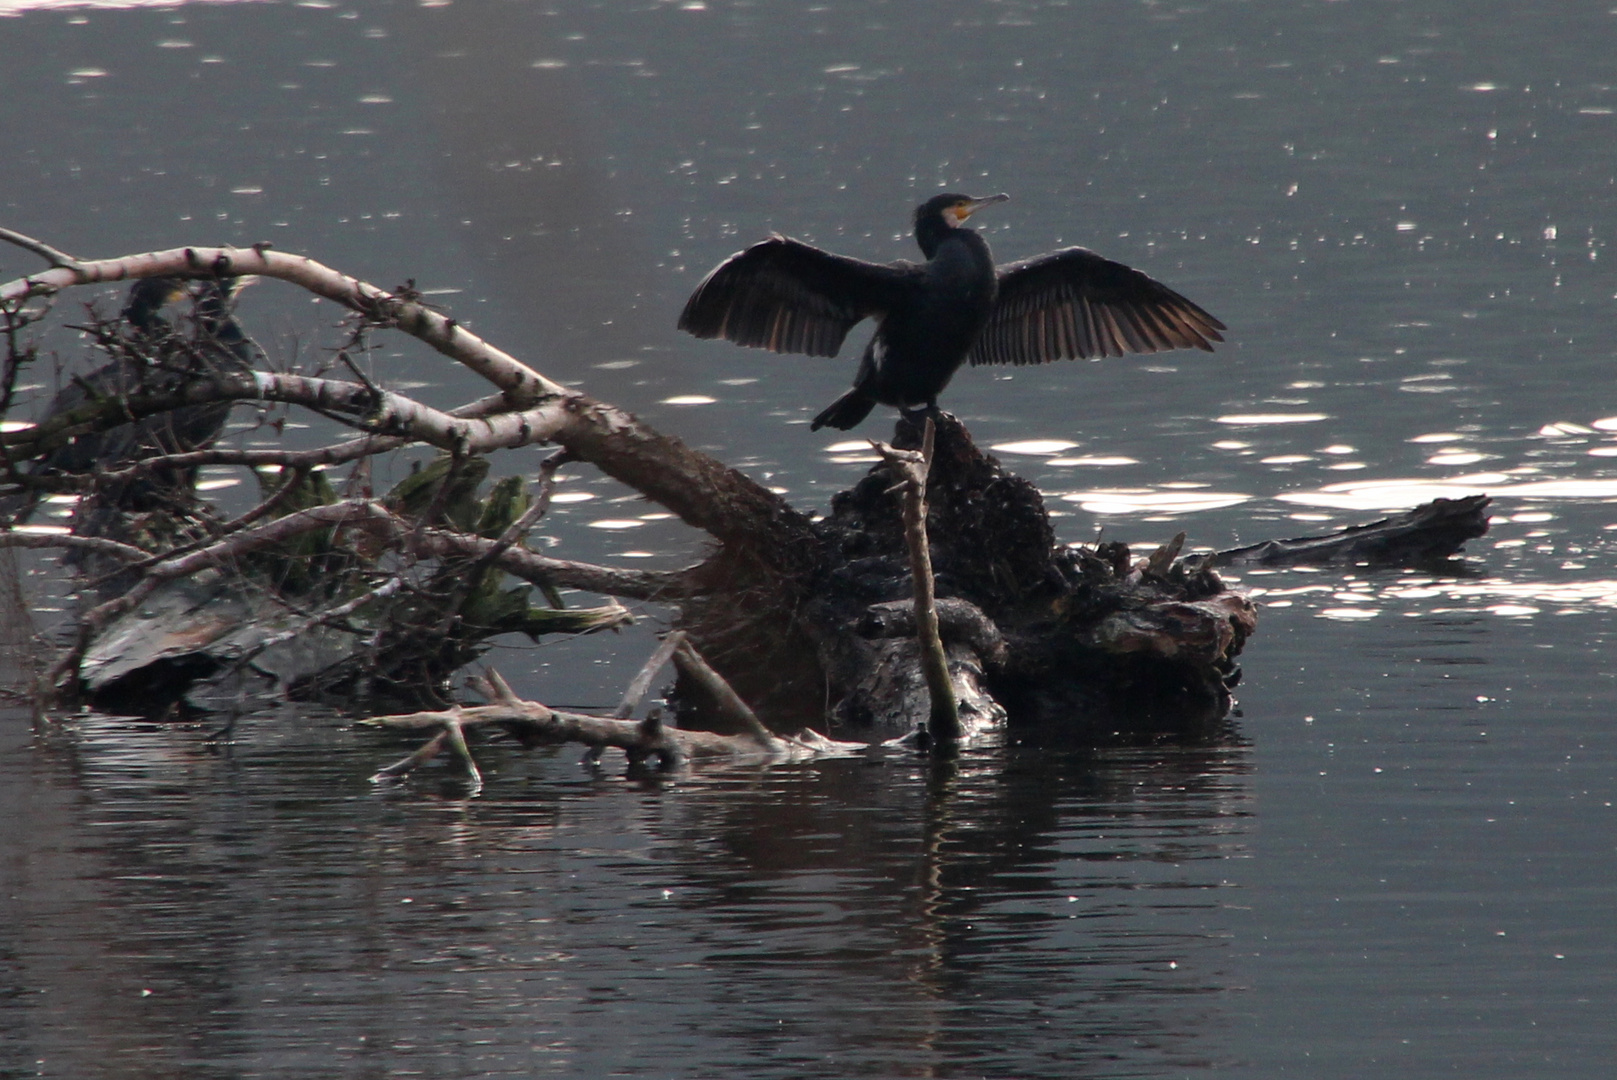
<point>1397,863</point>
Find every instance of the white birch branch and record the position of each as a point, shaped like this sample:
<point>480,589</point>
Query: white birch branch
<point>380,411</point>
<point>520,383</point>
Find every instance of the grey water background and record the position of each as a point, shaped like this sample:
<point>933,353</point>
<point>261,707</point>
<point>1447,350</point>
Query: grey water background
<point>1400,862</point>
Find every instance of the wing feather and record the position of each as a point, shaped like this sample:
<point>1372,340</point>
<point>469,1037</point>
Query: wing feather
<point>1075,304</point>
<point>1155,331</point>
<point>790,297</point>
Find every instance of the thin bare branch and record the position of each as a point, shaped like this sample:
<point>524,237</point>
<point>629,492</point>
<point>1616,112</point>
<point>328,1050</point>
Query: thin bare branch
<point>912,469</point>
<point>384,413</point>
<point>43,250</point>
<point>331,614</point>
<point>641,683</point>
<point>520,383</point>
<point>541,503</point>
<point>539,569</point>
<point>352,512</point>
<point>640,739</point>
<point>26,537</point>
<point>499,689</point>
<point>727,702</point>
<point>541,724</point>
<point>457,743</point>
<point>428,750</point>
<point>334,454</point>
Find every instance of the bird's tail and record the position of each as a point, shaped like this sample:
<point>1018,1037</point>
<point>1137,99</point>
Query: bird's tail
<point>846,411</point>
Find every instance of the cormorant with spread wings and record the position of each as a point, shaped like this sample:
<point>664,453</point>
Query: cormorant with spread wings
<point>790,297</point>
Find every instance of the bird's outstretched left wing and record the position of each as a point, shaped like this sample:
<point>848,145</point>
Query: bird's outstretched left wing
<point>1075,304</point>
<point>787,296</point>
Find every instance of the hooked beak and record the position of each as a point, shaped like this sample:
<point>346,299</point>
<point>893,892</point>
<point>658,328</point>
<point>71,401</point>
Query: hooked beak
<point>967,209</point>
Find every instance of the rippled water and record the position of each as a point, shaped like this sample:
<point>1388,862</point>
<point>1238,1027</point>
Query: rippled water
<point>876,918</point>
<point>1398,864</point>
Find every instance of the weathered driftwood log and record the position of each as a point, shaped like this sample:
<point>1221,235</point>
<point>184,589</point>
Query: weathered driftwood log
<point>1426,536</point>
<point>794,615</point>
<point>642,741</point>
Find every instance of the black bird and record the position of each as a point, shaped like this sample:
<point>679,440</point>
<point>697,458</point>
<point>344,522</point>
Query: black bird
<point>150,354</point>
<point>788,296</point>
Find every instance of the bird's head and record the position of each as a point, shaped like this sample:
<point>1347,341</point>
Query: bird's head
<point>216,307</point>
<point>147,297</point>
<point>952,209</point>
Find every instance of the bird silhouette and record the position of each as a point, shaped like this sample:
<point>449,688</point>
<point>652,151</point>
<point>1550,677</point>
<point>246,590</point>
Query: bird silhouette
<point>790,297</point>
<point>150,355</point>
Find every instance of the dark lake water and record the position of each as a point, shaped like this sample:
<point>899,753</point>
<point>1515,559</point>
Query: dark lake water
<point>1402,862</point>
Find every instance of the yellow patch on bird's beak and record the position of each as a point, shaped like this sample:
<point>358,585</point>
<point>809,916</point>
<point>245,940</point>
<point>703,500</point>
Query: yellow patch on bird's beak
<point>963,209</point>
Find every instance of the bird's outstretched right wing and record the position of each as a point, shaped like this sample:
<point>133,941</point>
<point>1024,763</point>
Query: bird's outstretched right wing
<point>1075,304</point>
<point>787,296</point>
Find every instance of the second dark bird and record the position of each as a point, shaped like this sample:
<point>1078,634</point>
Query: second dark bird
<point>790,297</point>
<point>149,355</point>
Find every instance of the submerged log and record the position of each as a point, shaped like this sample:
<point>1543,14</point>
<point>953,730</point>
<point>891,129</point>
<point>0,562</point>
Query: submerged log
<point>1426,536</point>
<point>643,741</point>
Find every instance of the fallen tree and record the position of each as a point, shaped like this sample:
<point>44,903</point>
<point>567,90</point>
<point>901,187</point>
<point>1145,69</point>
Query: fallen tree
<point>809,622</point>
<point>1425,537</point>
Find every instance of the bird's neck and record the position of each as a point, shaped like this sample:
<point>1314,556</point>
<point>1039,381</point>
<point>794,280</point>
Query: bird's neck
<point>966,244</point>
<point>931,232</point>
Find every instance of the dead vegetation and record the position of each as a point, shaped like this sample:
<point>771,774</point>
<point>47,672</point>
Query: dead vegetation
<point>328,589</point>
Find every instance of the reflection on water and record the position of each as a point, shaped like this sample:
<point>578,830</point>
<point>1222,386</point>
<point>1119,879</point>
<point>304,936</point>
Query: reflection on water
<point>1012,913</point>
<point>1035,447</point>
<point>1144,500</point>
<point>1400,494</point>
<point>1418,596</point>
<point>1261,419</point>
<point>1561,468</point>
<point>19,7</point>
<point>1100,460</point>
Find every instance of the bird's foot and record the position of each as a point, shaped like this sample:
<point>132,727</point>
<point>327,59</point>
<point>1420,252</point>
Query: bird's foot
<point>917,413</point>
